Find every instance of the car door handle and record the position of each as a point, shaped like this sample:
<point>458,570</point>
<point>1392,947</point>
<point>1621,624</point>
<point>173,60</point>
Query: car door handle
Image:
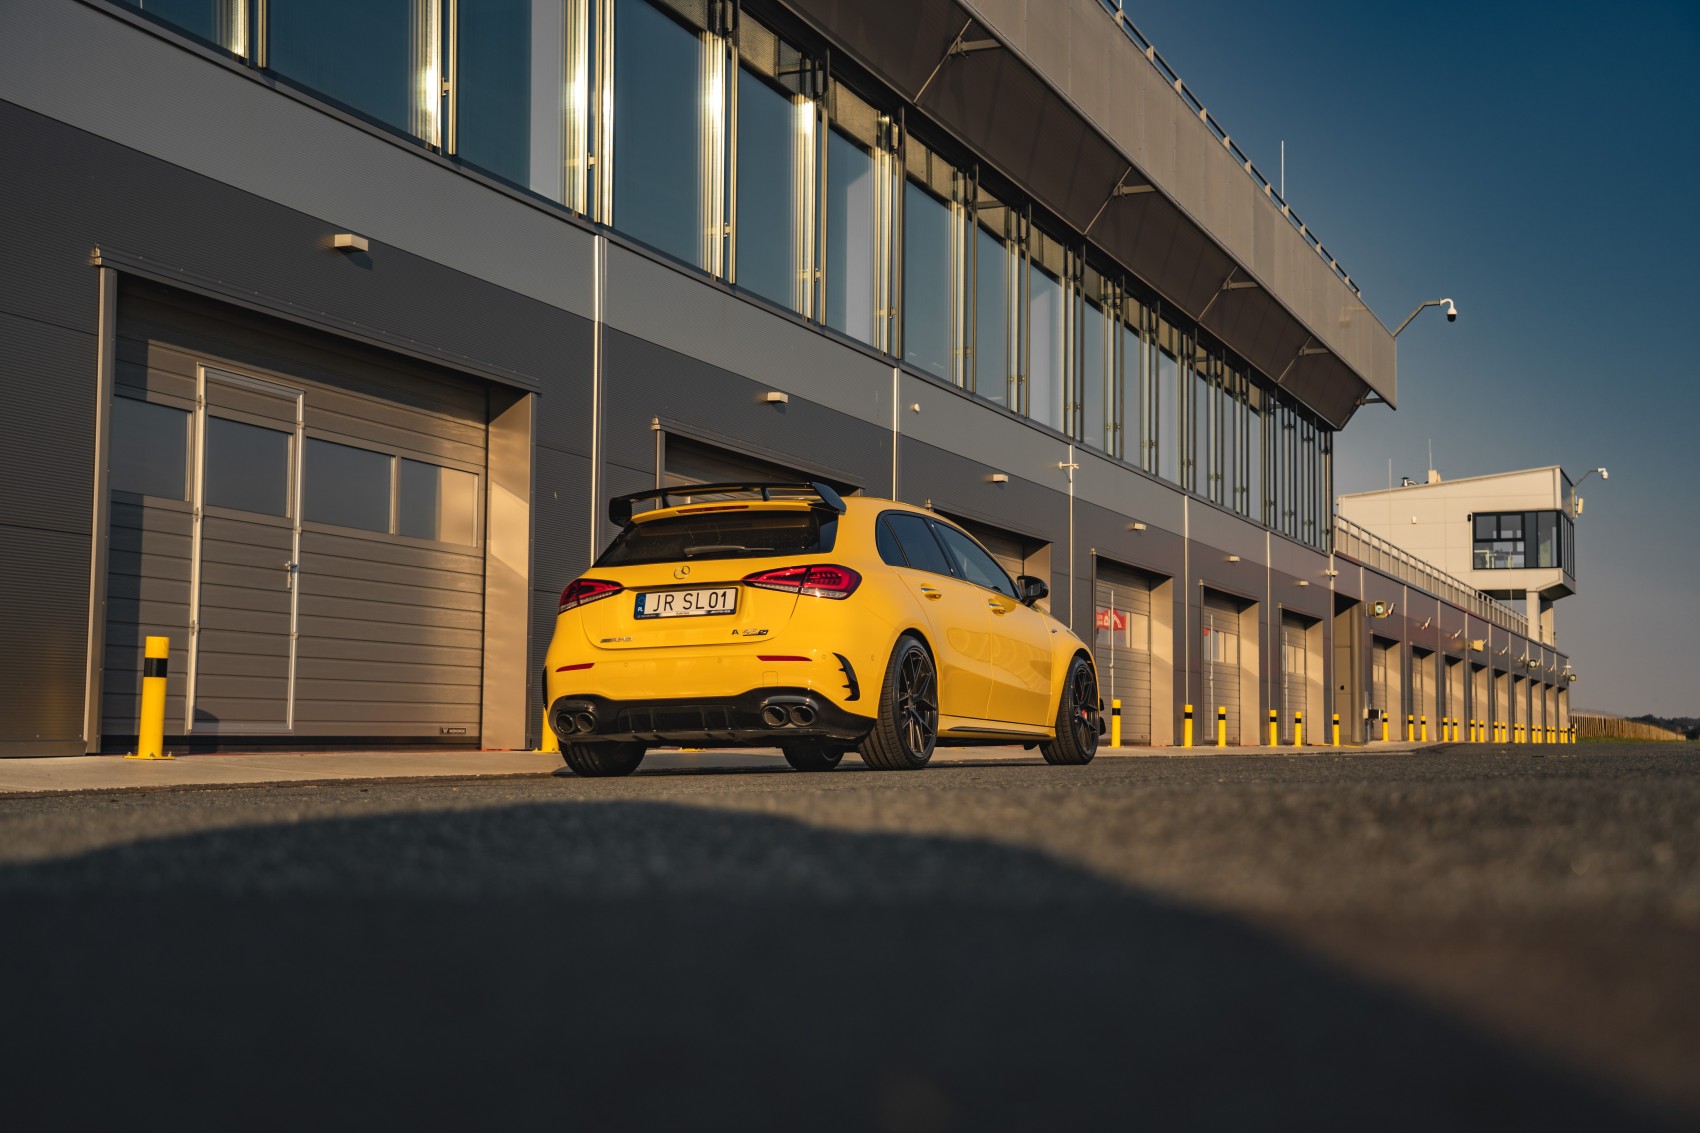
<point>997,607</point>
<point>931,593</point>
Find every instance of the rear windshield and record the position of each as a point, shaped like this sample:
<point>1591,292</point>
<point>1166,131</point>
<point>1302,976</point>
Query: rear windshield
<point>722,535</point>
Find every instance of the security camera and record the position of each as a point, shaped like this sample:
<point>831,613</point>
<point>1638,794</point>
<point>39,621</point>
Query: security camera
<point>1451,311</point>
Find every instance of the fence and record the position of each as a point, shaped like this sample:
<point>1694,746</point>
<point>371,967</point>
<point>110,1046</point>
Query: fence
<point>1360,546</point>
<point>1599,726</point>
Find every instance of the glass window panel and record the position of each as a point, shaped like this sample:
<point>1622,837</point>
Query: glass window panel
<point>850,249</point>
<point>1255,455</point>
<point>1166,437</point>
<point>1130,400</point>
<point>1045,350</point>
<point>379,57</point>
<point>885,541</point>
<point>347,486</point>
<point>1094,384</point>
<point>768,260</point>
<point>658,101</point>
<point>1201,457</point>
<point>991,316</point>
<point>247,467</point>
<point>919,546</point>
<point>509,90</point>
<point>926,281</point>
<point>438,503</point>
<point>223,22</point>
<point>973,562</point>
<point>150,449</point>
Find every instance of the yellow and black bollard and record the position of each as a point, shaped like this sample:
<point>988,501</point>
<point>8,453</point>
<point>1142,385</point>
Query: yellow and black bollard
<point>1385,725</point>
<point>1186,728</point>
<point>1336,735</point>
<point>1410,727</point>
<point>1221,725</point>
<point>150,743</point>
<point>1298,729</point>
<point>1274,729</point>
<point>1115,723</point>
<point>1424,732</point>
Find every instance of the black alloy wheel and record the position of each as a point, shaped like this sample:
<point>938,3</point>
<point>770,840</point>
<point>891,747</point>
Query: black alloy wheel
<point>907,730</point>
<point>1077,718</point>
<point>811,755</point>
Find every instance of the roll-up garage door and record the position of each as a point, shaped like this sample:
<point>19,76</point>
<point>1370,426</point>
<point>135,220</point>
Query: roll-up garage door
<point>1295,674</point>
<point>1121,646</point>
<point>303,517</point>
<point>1219,665</point>
<point>691,462</point>
<point>1455,693</point>
<point>1422,688</point>
<point>1384,686</point>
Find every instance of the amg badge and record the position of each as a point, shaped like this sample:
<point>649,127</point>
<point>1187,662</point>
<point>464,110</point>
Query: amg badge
<point>749,633</point>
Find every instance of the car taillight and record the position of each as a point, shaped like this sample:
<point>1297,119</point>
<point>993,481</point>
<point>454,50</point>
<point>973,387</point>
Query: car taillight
<point>815,581</point>
<point>583,591</point>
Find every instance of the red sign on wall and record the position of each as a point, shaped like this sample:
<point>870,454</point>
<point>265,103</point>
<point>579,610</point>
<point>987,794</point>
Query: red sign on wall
<point>1111,619</point>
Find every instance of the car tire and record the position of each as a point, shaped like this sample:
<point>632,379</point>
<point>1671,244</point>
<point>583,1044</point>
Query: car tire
<point>603,761</point>
<point>907,729</point>
<point>1077,718</point>
<point>812,755</point>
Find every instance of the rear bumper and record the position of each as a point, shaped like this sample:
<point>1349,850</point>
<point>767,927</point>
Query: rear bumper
<point>745,719</point>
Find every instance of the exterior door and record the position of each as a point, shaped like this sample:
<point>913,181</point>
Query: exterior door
<point>955,610</point>
<point>1219,667</point>
<point>1122,647</point>
<point>1020,638</point>
<point>245,555</point>
<point>1384,689</point>
<point>1421,688</point>
<point>1295,676</point>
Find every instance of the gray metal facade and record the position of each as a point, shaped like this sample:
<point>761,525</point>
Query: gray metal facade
<point>121,138</point>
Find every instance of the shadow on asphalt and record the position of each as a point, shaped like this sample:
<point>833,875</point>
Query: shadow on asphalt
<point>620,965</point>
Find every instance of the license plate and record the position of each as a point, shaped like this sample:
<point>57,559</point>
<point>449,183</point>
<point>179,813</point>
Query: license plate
<point>687,603</point>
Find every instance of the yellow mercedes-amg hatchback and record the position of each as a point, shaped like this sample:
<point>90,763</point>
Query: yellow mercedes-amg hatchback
<point>763,615</point>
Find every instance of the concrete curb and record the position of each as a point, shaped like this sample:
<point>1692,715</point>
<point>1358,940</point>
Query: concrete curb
<point>71,775</point>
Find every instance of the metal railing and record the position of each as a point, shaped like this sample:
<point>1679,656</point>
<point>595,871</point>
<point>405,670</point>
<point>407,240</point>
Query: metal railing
<point>1184,93</point>
<point>1353,542</point>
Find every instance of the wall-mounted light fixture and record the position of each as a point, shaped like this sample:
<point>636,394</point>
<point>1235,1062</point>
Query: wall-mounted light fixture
<point>1136,526</point>
<point>774,397</point>
<point>1233,558</point>
<point>998,478</point>
<point>349,242</point>
<point>1304,582</point>
<point>1331,573</point>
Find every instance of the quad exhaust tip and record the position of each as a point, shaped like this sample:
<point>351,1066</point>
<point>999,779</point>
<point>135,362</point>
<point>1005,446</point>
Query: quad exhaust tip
<point>786,714</point>
<point>575,723</point>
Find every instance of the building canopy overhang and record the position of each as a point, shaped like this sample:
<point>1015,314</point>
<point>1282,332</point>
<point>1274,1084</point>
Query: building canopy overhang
<point>1097,137</point>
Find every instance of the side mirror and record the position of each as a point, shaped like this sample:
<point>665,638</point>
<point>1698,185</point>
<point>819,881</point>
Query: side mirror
<point>1032,589</point>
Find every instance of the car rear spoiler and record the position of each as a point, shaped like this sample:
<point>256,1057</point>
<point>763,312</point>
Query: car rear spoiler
<point>620,507</point>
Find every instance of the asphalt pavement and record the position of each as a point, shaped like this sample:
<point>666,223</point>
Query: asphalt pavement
<point>1476,937</point>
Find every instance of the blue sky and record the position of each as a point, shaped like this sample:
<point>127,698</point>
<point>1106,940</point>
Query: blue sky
<point>1537,163</point>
